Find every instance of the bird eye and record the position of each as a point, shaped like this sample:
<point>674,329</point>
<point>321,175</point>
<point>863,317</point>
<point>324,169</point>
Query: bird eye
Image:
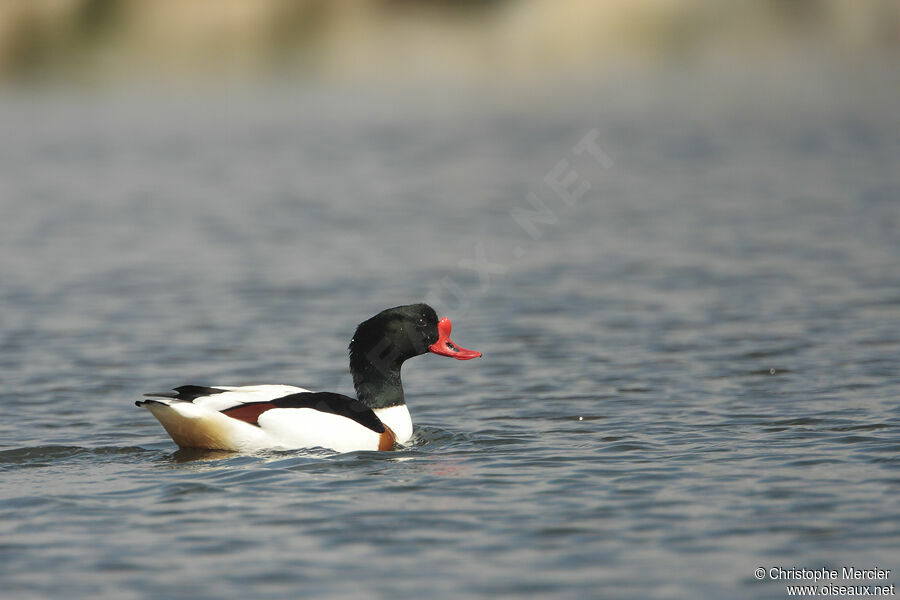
<point>421,322</point>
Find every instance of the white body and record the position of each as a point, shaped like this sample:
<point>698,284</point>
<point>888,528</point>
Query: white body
<point>200,424</point>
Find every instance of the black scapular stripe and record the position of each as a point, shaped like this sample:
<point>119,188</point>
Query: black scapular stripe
<point>188,393</point>
<point>328,402</point>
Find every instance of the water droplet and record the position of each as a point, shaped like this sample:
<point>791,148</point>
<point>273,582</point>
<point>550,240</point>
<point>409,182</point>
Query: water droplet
<point>771,371</point>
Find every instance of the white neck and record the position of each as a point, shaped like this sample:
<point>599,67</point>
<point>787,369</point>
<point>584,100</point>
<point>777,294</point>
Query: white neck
<point>398,419</point>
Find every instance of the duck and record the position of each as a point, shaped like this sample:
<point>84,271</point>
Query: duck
<point>285,417</point>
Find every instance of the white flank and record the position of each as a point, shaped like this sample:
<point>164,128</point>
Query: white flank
<point>398,419</point>
<point>309,428</point>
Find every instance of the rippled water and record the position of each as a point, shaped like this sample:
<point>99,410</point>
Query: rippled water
<point>690,372</point>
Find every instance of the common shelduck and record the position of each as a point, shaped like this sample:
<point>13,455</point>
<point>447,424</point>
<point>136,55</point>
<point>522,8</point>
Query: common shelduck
<point>259,417</point>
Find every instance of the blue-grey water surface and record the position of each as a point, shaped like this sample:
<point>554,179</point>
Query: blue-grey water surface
<point>690,365</point>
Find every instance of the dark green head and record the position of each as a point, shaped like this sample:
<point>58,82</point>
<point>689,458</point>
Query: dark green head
<point>382,343</point>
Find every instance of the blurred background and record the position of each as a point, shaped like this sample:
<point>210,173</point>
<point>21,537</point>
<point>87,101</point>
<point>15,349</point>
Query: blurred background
<point>671,226</point>
<point>103,41</point>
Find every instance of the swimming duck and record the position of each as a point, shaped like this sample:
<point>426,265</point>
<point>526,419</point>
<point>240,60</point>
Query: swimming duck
<point>259,417</point>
